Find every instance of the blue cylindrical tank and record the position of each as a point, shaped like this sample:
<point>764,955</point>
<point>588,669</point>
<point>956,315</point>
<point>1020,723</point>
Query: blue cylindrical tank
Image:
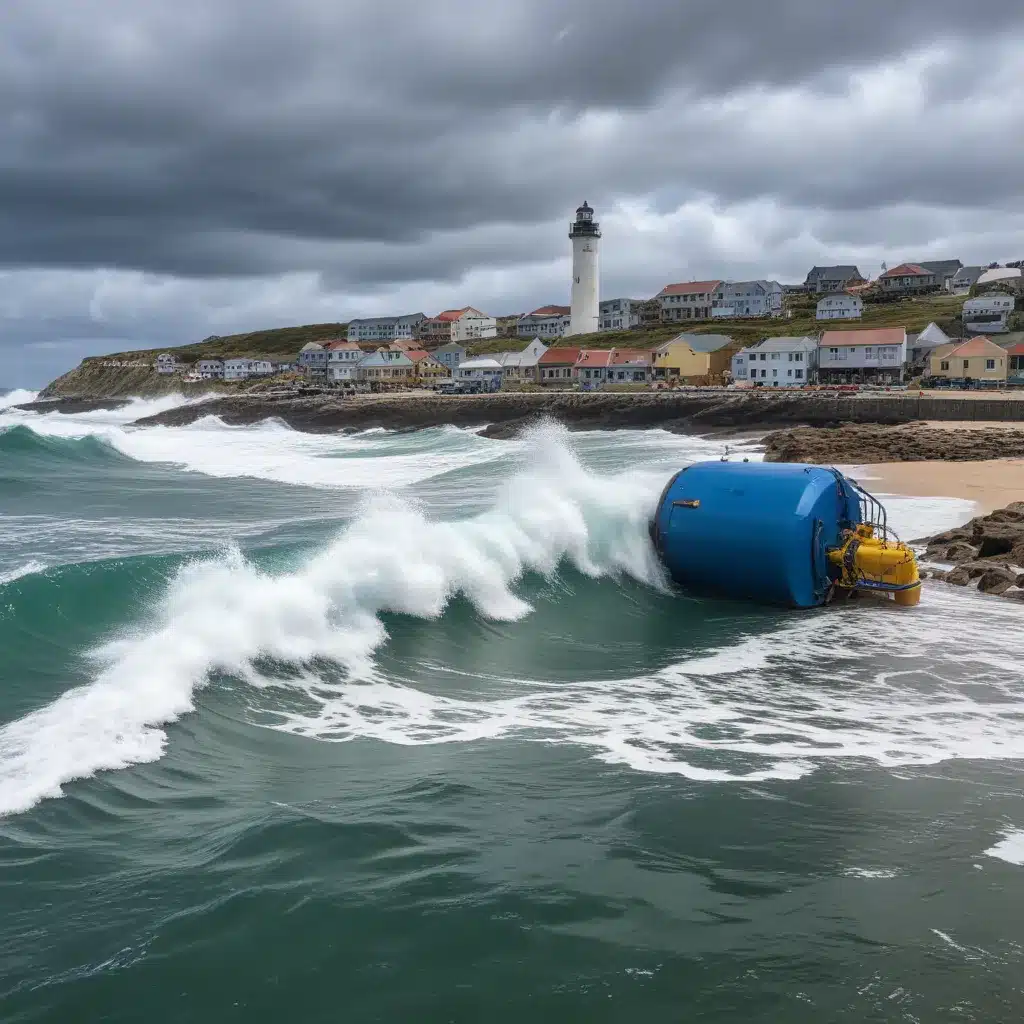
<point>754,530</point>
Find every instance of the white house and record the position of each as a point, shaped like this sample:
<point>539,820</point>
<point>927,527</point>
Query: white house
<point>544,322</point>
<point>965,279</point>
<point>988,313</point>
<point>237,368</point>
<point>166,363</point>
<point>522,365</point>
<point>690,300</point>
<point>313,359</point>
<point>877,355</point>
<point>261,367</point>
<point>466,324</point>
<point>210,369</point>
<point>777,363</point>
<point>342,359</point>
<point>746,298</point>
<point>618,314</point>
<point>839,306</point>
<point>385,329</point>
<point>487,370</point>
<point>1007,275</point>
<point>919,349</point>
<point>450,356</point>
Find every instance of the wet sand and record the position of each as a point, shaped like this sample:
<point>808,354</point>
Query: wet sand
<point>990,485</point>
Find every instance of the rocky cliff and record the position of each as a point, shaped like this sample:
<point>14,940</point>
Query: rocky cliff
<point>111,377</point>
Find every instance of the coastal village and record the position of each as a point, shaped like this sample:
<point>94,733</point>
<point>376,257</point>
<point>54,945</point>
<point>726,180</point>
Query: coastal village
<point>972,344</point>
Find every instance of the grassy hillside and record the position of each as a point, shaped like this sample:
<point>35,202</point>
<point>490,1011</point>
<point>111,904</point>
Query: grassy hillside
<point>279,343</point>
<point>913,314</point>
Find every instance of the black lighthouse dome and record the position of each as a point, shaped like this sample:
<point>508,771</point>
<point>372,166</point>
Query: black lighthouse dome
<point>584,223</point>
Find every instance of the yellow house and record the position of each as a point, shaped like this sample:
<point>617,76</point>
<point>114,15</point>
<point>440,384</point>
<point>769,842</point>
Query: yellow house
<point>426,366</point>
<point>691,357</point>
<point>979,359</point>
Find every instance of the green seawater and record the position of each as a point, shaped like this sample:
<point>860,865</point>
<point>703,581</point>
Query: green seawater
<point>408,727</point>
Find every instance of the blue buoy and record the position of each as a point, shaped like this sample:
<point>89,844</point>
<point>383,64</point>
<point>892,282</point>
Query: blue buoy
<point>779,533</point>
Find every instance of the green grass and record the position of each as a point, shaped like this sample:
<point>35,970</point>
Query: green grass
<point>913,314</point>
<point>279,343</point>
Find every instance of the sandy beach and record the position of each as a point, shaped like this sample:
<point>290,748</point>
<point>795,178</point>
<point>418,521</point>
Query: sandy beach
<point>990,484</point>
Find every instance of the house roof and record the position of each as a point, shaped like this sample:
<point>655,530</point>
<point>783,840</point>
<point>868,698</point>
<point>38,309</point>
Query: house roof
<point>689,288</point>
<point>804,344</point>
<point>941,267</point>
<point>417,355</point>
<point>630,357</point>
<point>878,336</point>
<point>341,346</point>
<point>594,357</point>
<point>970,274</point>
<point>943,350</point>
<point>931,335</point>
<point>698,342</point>
<point>979,346</point>
<point>907,270</point>
<point>559,357</point>
<point>387,319</point>
<point>480,364</point>
<point>450,346</point>
<point>551,311</point>
<point>840,273</point>
<point>844,294</point>
<point>1016,350</point>
<point>998,274</point>
<point>386,358</point>
<point>311,346</point>
<point>448,315</point>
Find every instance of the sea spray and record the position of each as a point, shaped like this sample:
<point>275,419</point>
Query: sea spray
<point>223,614</point>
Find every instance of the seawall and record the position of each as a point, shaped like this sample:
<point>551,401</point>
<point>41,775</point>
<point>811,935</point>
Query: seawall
<point>504,414</point>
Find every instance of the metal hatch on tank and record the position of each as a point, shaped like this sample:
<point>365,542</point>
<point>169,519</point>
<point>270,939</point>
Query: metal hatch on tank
<point>780,533</point>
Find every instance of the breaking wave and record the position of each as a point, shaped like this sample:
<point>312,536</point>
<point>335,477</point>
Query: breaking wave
<point>224,615</point>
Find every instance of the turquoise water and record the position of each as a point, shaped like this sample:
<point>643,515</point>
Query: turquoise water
<point>408,727</point>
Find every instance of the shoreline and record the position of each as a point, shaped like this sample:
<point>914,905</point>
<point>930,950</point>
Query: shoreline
<point>991,483</point>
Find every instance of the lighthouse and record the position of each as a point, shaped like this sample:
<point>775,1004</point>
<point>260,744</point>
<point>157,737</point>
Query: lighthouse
<point>585,233</point>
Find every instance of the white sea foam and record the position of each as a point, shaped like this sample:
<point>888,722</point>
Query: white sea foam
<point>222,614</point>
<point>755,709</point>
<point>27,569</point>
<point>1010,848</point>
<point>19,396</point>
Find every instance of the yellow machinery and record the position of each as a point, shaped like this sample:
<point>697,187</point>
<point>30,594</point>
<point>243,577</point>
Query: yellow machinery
<point>875,564</point>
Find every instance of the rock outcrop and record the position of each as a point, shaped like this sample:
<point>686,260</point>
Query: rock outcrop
<point>987,552</point>
<point>865,443</point>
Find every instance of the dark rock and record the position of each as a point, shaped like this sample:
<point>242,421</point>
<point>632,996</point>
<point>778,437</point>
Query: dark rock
<point>996,581</point>
<point>958,577</point>
<point>959,552</point>
<point>937,574</point>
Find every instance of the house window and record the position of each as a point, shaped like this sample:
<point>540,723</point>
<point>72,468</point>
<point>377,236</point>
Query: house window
<point>789,373</point>
<point>967,364</point>
<point>867,351</point>
<point>764,373</point>
<point>799,373</point>
<point>775,355</point>
<point>944,365</point>
<point>990,364</point>
<point>799,357</point>
<point>833,352</point>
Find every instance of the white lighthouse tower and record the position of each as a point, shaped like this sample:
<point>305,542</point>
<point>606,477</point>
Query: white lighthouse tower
<point>585,233</point>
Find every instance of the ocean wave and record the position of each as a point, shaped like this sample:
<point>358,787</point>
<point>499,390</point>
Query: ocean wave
<point>1010,848</point>
<point>224,614</point>
<point>19,396</point>
<point>28,569</point>
<point>21,441</point>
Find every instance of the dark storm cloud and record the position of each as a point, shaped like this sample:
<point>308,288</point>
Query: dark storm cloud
<point>204,138</point>
<point>174,168</point>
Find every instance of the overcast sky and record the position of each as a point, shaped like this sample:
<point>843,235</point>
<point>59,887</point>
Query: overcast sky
<point>171,169</point>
